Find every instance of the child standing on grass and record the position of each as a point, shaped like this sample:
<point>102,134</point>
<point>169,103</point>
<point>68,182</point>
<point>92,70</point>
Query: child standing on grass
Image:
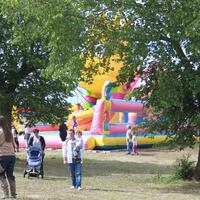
<point>134,143</point>
<point>15,136</point>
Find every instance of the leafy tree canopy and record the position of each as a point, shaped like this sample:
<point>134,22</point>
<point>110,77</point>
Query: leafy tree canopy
<point>159,40</point>
<point>24,57</point>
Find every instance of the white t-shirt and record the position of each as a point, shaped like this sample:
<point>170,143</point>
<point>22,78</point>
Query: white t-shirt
<point>15,135</point>
<point>134,139</point>
<point>128,134</point>
<point>37,143</point>
<point>27,130</point>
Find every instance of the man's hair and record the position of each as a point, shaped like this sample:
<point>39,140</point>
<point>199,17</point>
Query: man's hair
<point>79,132</point>
<point>72,130</point>
<point>35,130</point>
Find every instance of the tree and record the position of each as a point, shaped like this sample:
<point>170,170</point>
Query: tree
<point>22,80</point>
<point>45,48</point>
<point>159,41</point>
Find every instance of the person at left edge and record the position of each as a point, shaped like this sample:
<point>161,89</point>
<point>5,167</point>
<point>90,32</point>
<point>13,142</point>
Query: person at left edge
<point>7,160</point>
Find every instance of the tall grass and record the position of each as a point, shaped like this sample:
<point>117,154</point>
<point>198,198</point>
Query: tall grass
<point>109,176</point>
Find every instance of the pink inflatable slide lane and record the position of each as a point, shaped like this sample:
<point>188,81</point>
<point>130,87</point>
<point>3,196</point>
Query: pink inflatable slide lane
<point>122,128</point>
<point>123,105</point>
<point>97,121</point>
<point>52,140</point>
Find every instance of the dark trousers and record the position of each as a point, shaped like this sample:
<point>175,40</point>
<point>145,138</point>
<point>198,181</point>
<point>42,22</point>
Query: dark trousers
<point>8,163</point>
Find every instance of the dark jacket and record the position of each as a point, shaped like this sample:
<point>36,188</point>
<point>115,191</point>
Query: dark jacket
<point>63,131</point>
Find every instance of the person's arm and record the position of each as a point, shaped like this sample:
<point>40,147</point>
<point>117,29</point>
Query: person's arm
<point>42,142</point>
<point>2,138</point>
<point>30,141</point>
<point>16,132</point>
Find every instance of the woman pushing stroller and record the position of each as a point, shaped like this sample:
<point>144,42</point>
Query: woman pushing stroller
<point>37,141</point>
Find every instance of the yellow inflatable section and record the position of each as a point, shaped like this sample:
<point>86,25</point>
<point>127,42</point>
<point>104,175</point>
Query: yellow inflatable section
<point>83,119</point>
<point>99,80</point>
<point>94,91</point>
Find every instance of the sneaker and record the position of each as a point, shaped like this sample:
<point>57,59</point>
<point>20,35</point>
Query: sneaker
<point>79,188</point>
<point>72,187</point>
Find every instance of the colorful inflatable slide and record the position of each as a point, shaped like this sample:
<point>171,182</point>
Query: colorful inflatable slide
<point>107,113</point>
<point>110,120</point>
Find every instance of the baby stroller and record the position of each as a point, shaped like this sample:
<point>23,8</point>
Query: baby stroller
<point>34,163</point>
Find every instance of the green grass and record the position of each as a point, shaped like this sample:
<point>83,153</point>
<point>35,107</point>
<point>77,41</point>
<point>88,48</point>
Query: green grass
<point>109,176</point>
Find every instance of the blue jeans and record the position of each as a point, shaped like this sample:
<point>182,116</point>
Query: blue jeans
<point>129,147</point>
<point>75,172</point>
<point>8,163</point>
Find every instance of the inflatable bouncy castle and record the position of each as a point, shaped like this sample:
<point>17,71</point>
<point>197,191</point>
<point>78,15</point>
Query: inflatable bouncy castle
<point>105,115</point>
<point>111,118</point>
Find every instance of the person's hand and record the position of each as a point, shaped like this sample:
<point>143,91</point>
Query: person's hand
<point>64,162</point>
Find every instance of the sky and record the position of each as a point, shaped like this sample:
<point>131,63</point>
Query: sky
<point>78,96</point>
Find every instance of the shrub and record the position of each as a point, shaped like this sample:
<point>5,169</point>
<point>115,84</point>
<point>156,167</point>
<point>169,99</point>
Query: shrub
<point>183,168</point>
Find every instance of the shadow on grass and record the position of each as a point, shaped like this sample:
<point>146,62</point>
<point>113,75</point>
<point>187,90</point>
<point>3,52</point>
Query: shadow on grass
<point>54,168</point>
<point>105,168</point>
<point>185,188</point>
<point>146,155</point>
<point>107,190</point>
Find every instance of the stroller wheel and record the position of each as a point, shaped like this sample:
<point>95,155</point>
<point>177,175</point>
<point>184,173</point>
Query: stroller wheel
<point>42,174</point>
<point>25,173</point>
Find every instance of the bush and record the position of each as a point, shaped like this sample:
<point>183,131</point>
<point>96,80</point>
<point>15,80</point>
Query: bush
<point>183,168</point>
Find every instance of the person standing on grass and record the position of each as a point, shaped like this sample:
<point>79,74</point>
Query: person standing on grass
<point>63,134</point>
<point>73,158</point>
<point>129,139</point>
<point>38,141</point>
<point>134,143</point>
<point>27,134</point>
<point>15,136</point>
<point>7,160</point>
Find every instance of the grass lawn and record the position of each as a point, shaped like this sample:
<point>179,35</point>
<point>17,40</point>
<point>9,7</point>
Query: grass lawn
<point>109,176</point>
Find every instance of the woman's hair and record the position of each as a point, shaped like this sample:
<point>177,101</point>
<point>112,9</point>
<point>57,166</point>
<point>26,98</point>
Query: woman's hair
<point>128,126</point>
<point>6,129</point>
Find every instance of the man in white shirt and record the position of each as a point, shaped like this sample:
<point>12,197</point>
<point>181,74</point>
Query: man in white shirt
<point>73,157</point>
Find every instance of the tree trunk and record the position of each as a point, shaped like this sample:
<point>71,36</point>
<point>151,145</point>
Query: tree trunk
<point>197,169</point>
